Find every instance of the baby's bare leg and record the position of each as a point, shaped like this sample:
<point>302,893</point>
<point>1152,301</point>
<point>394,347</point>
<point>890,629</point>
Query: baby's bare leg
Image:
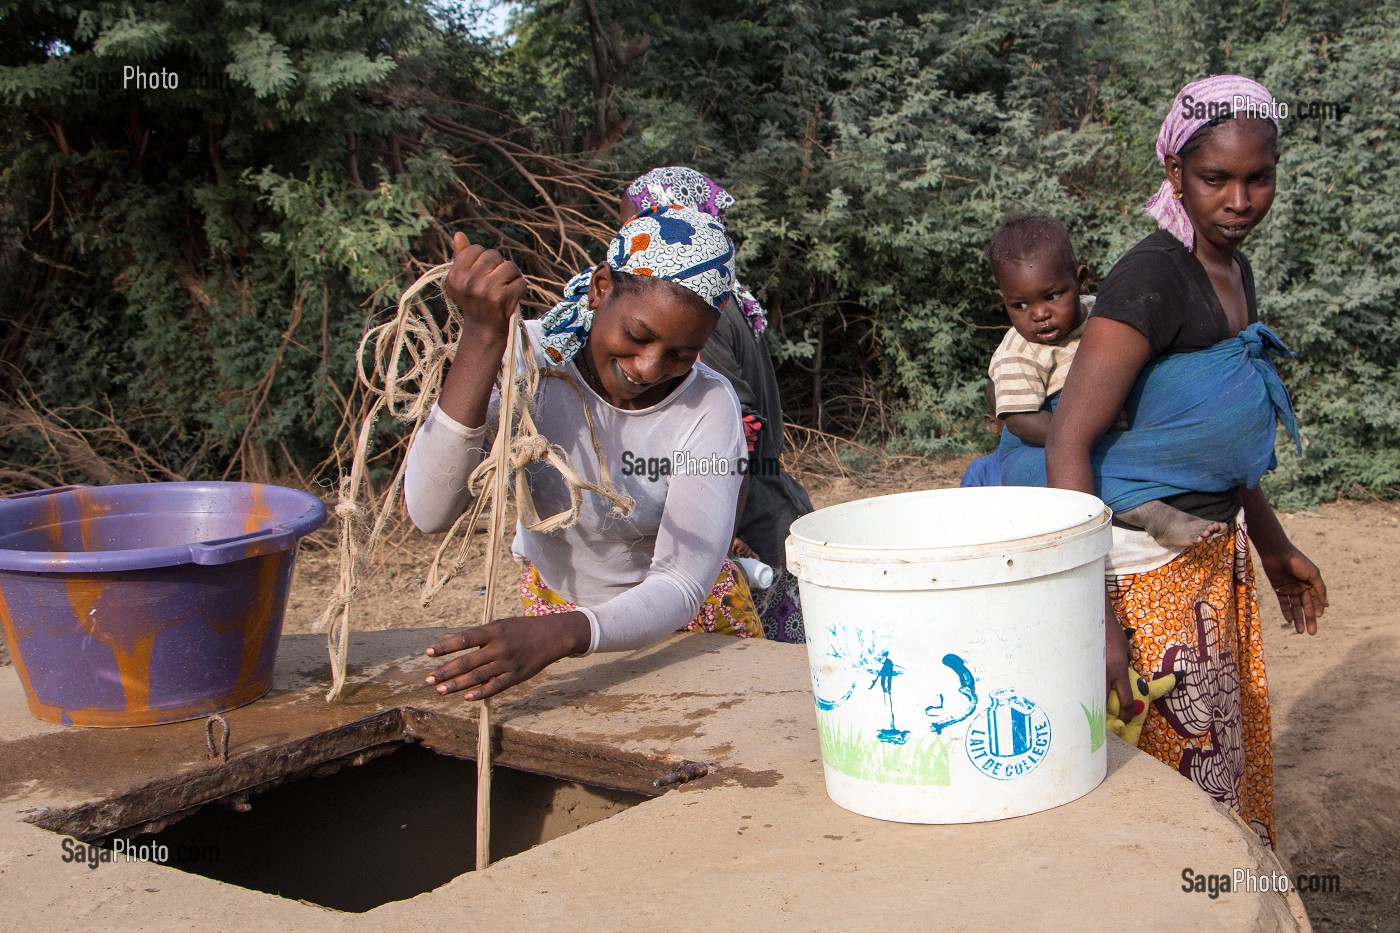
<point>1171,527</point>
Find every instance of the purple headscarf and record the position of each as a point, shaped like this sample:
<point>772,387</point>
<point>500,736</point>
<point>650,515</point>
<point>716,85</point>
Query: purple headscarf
<point>680,185</point>
<point>1196,105</point>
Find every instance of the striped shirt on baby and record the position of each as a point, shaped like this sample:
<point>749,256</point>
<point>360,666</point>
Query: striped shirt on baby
<point>1025,374</point>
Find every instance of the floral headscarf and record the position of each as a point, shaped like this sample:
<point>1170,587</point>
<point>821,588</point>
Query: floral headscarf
<point>670,242</point>
<point>1196,105</point>
<point>677,184</point>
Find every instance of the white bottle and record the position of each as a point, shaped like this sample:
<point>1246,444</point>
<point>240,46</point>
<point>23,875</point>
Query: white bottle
<point>759,574</point>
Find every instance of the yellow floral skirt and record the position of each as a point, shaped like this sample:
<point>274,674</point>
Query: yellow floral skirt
<point>728,610</point>
<point>1198,616</point>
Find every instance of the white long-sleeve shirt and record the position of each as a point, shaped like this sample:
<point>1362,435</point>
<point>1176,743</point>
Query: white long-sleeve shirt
<point>637,578</point>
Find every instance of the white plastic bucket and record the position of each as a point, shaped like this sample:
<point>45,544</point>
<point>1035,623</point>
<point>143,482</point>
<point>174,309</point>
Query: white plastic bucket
<point>956,646</point>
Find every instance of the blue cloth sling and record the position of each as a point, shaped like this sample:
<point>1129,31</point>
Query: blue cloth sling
<point>983,471</point>
<point>1200,422</point>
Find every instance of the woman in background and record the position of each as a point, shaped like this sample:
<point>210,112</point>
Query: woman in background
<point>738,350</point>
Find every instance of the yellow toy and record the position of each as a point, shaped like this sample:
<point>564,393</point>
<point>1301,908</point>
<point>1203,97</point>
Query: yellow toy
<point>1144,693</point>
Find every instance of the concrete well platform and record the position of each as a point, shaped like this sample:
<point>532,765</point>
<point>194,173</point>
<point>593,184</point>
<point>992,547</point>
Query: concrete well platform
<point>754,844</point>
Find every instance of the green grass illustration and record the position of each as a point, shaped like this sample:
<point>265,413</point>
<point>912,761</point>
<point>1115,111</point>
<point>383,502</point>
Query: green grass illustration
<point>1097,723</point>
<point>862,755</point>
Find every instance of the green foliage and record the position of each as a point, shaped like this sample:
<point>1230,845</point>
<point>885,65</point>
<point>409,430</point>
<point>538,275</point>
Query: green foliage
<point>262,63</point>
<point>874,147</point>
<point>872,156</point>
<point>204,259</point>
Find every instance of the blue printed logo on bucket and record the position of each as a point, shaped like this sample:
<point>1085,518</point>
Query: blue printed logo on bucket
<point>1010,739</point>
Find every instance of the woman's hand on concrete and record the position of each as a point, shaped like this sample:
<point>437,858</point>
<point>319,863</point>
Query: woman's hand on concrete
<point>507,652</point>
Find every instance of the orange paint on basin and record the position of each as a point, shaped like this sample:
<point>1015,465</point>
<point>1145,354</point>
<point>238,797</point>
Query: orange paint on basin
<point>7,623</point>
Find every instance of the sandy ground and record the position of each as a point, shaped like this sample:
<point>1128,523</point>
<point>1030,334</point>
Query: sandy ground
<point>1335,697</point>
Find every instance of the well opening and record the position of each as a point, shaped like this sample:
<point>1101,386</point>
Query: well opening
<point>392,828</point>
<point>376,811</point>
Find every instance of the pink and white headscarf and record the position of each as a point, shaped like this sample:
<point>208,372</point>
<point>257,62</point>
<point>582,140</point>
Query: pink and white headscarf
<point>1196,105</point>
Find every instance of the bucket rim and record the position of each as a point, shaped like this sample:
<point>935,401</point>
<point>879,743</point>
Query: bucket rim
<point>864,553</point>
<point>956,553</point>
<point>279,536</point>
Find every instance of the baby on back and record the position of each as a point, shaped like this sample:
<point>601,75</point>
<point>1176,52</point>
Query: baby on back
<point>1040,283</point>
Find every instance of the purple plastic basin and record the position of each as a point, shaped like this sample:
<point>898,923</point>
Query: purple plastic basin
<point>150,603</point>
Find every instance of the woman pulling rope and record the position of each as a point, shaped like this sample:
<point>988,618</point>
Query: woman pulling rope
<point>635,408</point>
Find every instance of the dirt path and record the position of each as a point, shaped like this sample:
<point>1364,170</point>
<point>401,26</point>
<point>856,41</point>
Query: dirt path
<point>1336,715</point>
<point>1335,697</point>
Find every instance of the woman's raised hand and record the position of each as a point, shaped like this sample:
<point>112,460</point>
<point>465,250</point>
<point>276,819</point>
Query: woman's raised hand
<point>487,289</point>
<point>484,285</point>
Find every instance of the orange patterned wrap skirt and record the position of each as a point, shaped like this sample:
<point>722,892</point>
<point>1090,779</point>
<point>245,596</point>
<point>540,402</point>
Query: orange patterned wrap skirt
<point>728,610</point>
<point>1198,616</point>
